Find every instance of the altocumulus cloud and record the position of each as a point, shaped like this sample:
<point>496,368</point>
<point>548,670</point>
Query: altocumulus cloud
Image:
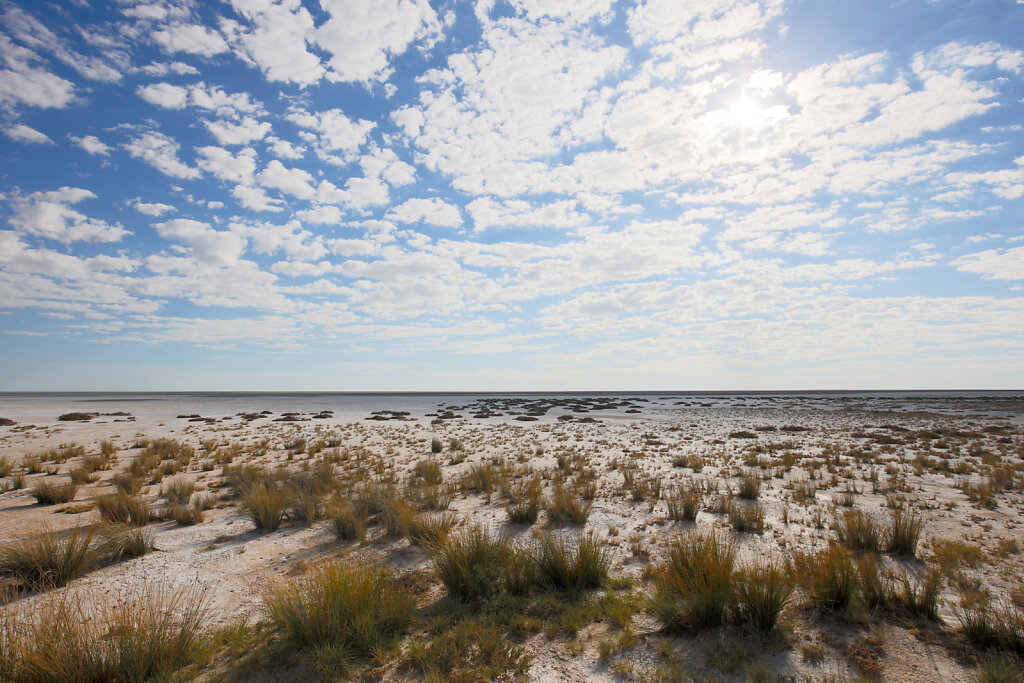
<point>515,194</point>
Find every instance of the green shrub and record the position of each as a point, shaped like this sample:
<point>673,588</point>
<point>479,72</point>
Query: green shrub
<point>355,607</point>
<point>148,636</point>
<point>266,503</point>
<point>470,563</point>
<point>47,559</point>
<point>472,650</point>
<point>572,565</point>
<point>762,592</point>
<point>829,577</point>
<point>564,508</point>
<point>121,508</point>
<point>122,541</point>
<point>904,531</point>
<point>348,520</point>
<point>693,587</point>
<point>523,504</point>
<point>859,531</point>
<point>46,493</point>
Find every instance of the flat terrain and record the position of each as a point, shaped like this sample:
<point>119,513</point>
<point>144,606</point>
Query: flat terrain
<point>781,477</point>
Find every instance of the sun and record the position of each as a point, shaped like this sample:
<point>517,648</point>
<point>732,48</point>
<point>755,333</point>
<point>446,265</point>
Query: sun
<point>746,112</point>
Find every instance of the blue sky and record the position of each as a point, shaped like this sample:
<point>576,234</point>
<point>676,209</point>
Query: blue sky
<point>521,195</point>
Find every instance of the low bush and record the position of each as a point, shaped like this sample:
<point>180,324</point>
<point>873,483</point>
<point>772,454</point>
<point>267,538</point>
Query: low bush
<point>121,508</point>
<point>47,559</point>
<point>858,530</point>
<point>148,636</point>
<point>118,542</point>
<point>575,564</point>
<point>829,577</point>
<point>355,607</point>
<point>470,563</point>
<point>904,531</point>
<point>46,493</point>
<point>763,591</point>
<point>693,587</point>
<point>265,502</point>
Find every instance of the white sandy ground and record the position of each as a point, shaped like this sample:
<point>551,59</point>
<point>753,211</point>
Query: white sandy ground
<point>234,567</point>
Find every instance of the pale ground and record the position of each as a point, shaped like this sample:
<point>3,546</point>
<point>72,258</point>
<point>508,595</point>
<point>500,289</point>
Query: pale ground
<point>234,567</point>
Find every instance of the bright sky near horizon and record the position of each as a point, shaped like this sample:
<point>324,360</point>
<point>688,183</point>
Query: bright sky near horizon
<point>511,194</point>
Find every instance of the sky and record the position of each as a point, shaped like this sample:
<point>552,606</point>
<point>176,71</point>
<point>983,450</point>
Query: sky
<point>403,195</point>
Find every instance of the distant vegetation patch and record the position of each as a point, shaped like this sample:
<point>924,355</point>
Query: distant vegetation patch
<point>7,422</point>
<point>76,417</point>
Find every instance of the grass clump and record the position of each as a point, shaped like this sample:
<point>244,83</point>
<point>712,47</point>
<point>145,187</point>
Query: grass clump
<point>572,565</point>
<point>348,520</point>
<point>693,587</point>
<point>187,515</point>
<point>904,531</point>
<point>266,504</point>
<point>148,636</point>
<point>564,508</point>
<point>685,502</point>
<point>829,578</point>
<point>48,559</point>
<point>763,591</point>
<point>354,608</point>
<point>429,530</point>
<point>472,650</point>
<point>859,531</point>
<point>122,541</point>
<point>46,493</point>
<point>523,504</point>
<point>470,563</point>
<point>746,516</point>
<point>121,508</point>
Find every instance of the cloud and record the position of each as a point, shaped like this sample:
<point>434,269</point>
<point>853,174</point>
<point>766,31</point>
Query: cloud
<point>164,95</point>
<point>160,152</point>
<point>23,83</point>
<point>321,215</point>
<point>49,214</point>
<point>363,37</point>
<point>994,264</point>
<point>206,245</point>
<point>91,144</point>
<point>246,130</point>
<point>191,38</point>
<point>433,211</point>
<point>293,181</point>
<point>22,133</point>
<point>233,167</point>
<point>152,209</point>
<point>274,39</point>
<point>255,199</point>
<point>488,213</point>
<point>334,130</point>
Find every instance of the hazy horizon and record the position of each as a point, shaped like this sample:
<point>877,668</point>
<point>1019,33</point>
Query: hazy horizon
<point>414,195</point>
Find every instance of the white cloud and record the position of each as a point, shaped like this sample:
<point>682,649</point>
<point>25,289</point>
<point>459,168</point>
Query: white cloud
<point>275,39</point>
<point>206,245</point>
<point>325,214</point>
<point>362,37</point>
<point>994,264</point>
<point>487,213</point>
<point>91,144</point>
<point>255,199</point>
<point>152,209</point>
<point>293,181</point>
<point>234,167</point>
<point>433,211</point>
<point>161,152</point>
<point>49,214</point>
<point>335,131</point>
<point>290,238</point>
<point>246,130</point>
<point>22,133</point>
<point>22,83</point>
<point>164,95</point>
<point>285,149</point>
<point>190,38</point>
